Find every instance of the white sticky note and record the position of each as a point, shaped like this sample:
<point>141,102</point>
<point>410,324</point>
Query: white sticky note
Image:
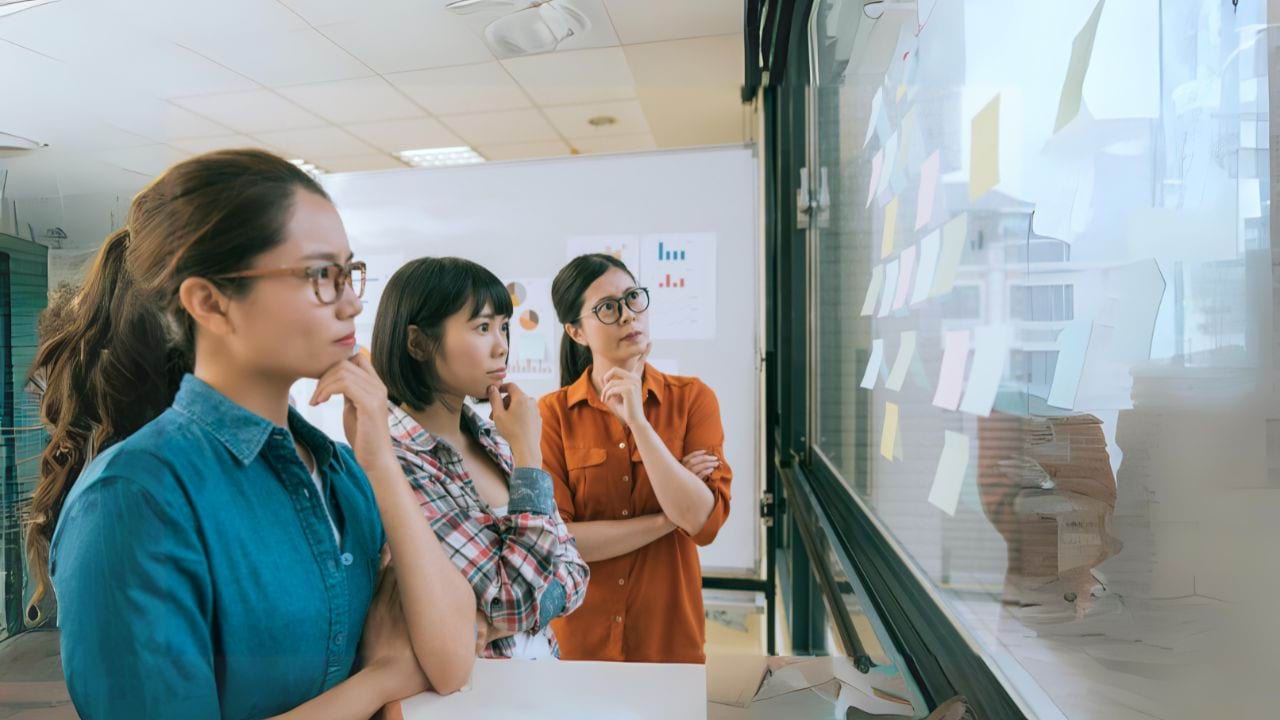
<point>928,187</point>
<point>1073,346</point>
<point>877,103</point>
<point>991,350</point>
<point>873,364</point>
<point>927,266</point>
<point>948,479</point>
<point>889,229</point>
<point>889,434</point>
<point>984,149</point>
<point>1073,83</point>
<point>954,234</point>
<point>890,161</point>
<point>906,273</point>
<point>877,163</point>
<point>873,290</point>
<point>955,356</point>
<point>1250,190</point>
<point>890,288</point>
<point>906,351</point>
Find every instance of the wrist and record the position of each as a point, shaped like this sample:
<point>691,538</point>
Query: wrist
<point>522,456</point>
<point>376,683</point>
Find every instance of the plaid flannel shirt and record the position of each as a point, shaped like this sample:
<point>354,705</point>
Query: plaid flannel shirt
<point>524,566</point>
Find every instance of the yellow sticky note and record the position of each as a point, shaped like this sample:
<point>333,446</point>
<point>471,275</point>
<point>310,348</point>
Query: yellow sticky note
<point>890,226</point>
<point>1073,85</point>
<point>984,149</point>
<point>902,90</point>
<point>889,438</point>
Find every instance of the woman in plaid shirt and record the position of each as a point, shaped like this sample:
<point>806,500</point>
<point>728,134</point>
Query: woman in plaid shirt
<point>440,337</point>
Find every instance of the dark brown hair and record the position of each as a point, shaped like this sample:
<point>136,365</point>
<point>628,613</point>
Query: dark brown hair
<point>115,355</point>
<point>567,292</point>
<point>424,293</point>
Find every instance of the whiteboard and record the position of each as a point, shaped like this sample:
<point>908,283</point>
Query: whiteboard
<point>519,220</point>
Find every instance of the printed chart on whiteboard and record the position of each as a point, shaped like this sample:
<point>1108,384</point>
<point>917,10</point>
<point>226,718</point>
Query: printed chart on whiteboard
<point>624,247</point>
<point>533,326</point>
<point>680,272</point>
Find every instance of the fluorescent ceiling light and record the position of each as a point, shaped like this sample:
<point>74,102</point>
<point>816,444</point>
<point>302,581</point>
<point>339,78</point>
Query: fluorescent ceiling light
<point>441,157</point>
<point>309,168</point>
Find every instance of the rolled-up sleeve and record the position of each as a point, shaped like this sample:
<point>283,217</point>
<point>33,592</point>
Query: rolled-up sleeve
<point>134,602</point>
<point>706,432</point>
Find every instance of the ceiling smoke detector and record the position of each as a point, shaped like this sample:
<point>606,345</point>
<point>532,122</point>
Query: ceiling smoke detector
<point>525,27</point>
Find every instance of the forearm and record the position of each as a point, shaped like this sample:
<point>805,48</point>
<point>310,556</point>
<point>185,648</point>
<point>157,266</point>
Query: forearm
<point>358,697</point>
<point>684,497</point>
<point>605,539</point>
<point>439,604</point>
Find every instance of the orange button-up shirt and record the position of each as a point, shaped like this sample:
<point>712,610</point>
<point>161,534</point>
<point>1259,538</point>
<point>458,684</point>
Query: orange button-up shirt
<point>645,606</point>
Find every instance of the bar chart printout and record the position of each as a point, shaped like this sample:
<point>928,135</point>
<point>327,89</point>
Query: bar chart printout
<point>680,271</point>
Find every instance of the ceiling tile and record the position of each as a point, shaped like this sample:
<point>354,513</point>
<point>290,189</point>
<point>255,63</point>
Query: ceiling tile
<point>156,119</point>
<point>573,78</point>
<point>352,101</point>
<point>197,146</point>
<point>690,90</point>
<point>616,144</point>
<point>360,163</point>
<point>394,136</point>
<point>413,38</point>
<point>316,142</point>
<point>654,20</point>
<point>280,57</point>
<point>524,151</point>
<point>252,112</point>
<point>149,159</point>
<point>485,87</point>
<point>572,120</point>
<point>516,126</point>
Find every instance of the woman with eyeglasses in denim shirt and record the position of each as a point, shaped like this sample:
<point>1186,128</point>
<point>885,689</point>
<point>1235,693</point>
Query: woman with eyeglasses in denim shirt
<point>217,557</point>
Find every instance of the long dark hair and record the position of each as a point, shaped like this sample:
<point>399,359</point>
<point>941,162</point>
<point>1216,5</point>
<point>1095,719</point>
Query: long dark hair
<point>113,359</point>
<point>424,293</point>
<point>567,289</point>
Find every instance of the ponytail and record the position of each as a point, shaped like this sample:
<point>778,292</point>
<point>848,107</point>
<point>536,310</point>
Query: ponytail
<point>105,372</point>
<point>567,292</point>
<point>574,360</point>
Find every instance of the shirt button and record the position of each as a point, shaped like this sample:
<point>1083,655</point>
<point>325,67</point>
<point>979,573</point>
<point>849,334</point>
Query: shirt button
<point>626,513</point>
<point>622,581</point>
<point>626,478</point>
<point>622,446</point>
<point>347,559</point>
<point>339,638</point>
<point>617,618</point>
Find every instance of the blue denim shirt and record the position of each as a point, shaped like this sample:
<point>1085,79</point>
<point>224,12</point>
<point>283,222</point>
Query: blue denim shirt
<point>196,571</point>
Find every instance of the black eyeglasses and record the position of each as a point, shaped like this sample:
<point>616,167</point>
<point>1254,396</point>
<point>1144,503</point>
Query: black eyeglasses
<point>328,281</point>
<point>609,310</point>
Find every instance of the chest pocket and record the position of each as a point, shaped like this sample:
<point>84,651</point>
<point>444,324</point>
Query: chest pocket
<point>598,492</point>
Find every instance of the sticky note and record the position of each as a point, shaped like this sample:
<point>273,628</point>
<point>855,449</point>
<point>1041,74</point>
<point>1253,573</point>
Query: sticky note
<point>928,187</point>
<point>991,350</point>
<point>890,227</point>
<point>873,364</point>
<point>873,290</point>
<point>876,105</point>
<point>955,356</point>
<point>927,265</point>
<point>1073,346</point>
<point>1073,84</point>
<point>889,435</point>
<point>954,234</point>
<point>890,288</point>
<point>906,273</point>
<point>906,351</point>
<point>890,162</point>
<point>984,149</point>
<point>948,479</point>
<point>877,162</point>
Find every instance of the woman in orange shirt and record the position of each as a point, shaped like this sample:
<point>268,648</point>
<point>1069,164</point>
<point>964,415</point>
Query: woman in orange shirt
<point>611,439</point>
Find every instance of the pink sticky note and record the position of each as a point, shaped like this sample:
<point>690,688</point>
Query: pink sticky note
<point>876,163</point>
<point>955,355</point>
<point>928,188</point>
<point>906,270</point>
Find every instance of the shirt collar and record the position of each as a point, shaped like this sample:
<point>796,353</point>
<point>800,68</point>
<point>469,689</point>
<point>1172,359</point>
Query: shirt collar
<point>241,431</point>
<point>408,431</point>
<point>654,383</point>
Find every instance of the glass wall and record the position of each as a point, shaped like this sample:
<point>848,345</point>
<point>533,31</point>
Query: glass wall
<point>1044,351</point>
